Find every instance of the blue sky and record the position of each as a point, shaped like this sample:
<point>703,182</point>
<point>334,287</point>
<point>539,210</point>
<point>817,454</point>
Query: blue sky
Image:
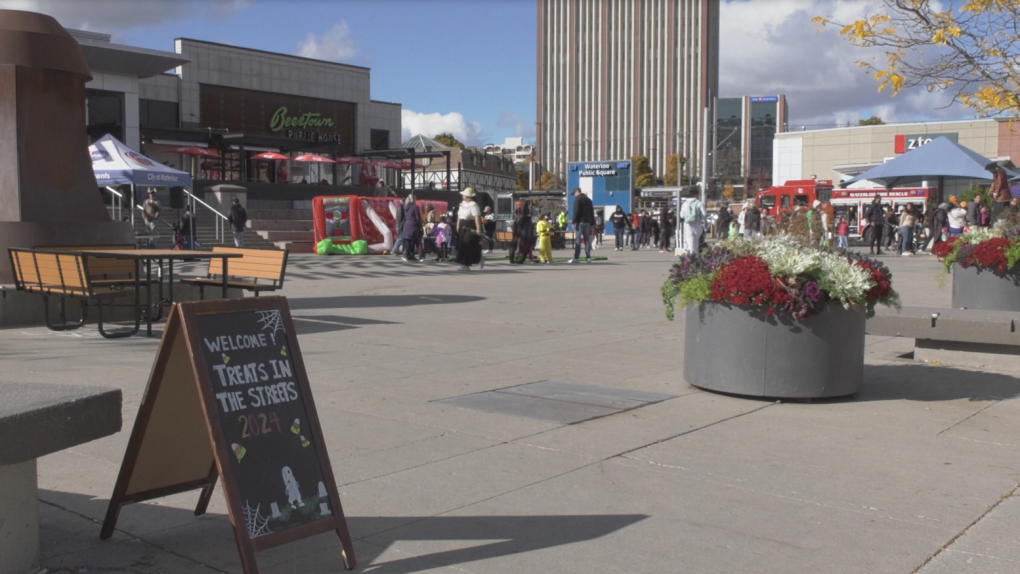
<point>468,66</point>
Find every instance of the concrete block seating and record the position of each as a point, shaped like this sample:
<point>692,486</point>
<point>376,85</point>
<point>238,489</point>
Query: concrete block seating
<point>961,337</point>
<point>36,420</point>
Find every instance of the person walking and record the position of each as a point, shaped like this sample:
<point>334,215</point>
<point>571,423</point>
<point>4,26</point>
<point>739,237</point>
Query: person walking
<point>752,222</point>
<point>939,224</point>
<point>638,231</point>
<point>664,229</point>
<point>150,216</point>
<point>600,226</point>
<point>561,220</point>
<point>957,218</point>
<point>524,230</point>
<point>237,218</point>
<point>842,234</point>
<point>412,229</point>
<point>584,218</point>
<point>875,215</point>
<point>693,215</point>
<point>974,212</point>
<point>544,229</point>
<point>469,232</point>
<point>398,217</point>
<point>489,224</point>
<point>185,229</point>
<point>722,223</point>
<point>619,221</point>
<point>908,220</point>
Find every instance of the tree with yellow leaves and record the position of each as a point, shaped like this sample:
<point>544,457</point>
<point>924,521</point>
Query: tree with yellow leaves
<point>969,48</point>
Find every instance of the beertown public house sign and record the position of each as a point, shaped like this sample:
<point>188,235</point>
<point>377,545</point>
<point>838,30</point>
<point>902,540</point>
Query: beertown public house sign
<point>281,121</point>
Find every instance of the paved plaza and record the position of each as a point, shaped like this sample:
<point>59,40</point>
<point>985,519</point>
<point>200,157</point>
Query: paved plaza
<point>611,463</point>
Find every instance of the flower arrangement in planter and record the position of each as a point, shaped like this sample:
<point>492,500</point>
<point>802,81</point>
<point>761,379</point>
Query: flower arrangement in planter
<point>996,249</point>
<point>778,274</point>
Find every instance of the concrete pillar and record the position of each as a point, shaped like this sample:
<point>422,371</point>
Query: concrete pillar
<point>19,518</point>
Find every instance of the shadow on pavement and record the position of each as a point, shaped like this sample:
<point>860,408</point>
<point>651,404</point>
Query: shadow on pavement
<point>921,382</point>
<point>189,537</point>
<point>359,301</point>
<point>313,324</point>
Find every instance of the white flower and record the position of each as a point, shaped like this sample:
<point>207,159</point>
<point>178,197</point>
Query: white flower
<point>844,279</point>
<point>787,258</point>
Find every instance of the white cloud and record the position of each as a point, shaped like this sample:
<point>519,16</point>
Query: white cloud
<point>336,45</point>
<point>770,46</point>
<point>516,122</point>
<point>113,16</point>
<point>415,123</point>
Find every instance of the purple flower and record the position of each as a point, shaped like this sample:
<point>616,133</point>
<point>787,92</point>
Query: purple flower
<point>812,291</point>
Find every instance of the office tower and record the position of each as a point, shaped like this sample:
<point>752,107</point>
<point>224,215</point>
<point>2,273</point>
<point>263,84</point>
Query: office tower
<point>620,78</point>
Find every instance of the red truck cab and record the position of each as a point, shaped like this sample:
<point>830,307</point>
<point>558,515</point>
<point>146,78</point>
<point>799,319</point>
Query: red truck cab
<point>792,194</point>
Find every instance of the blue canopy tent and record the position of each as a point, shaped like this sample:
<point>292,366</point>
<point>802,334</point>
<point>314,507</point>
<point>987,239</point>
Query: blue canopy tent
<point>116,164</point>
<point>941,159</point>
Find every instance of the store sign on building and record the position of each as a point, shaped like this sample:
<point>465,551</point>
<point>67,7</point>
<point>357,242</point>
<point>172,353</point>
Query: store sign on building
<point>255,113</point>
<point>764,99</point>
<point>905,143</point>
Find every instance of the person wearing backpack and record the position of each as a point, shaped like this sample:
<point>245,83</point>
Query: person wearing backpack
<point>693,215</point>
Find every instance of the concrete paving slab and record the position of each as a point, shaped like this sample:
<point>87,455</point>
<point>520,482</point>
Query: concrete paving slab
<point>515,405</point>
<point>620,399</point>
<point>992,546</point>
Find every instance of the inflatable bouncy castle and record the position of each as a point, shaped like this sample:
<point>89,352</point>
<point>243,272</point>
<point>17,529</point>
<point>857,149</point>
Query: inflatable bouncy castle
<point>350,222</point>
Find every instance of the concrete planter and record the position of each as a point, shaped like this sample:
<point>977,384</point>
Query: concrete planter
<point>985,289</point>
<point>743,351</point>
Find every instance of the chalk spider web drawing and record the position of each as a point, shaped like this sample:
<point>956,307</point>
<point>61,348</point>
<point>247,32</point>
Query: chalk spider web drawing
<point>257,524</point>
<point>271,321</point>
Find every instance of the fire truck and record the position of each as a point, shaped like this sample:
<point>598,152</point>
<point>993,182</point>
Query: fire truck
<point>848,203</point>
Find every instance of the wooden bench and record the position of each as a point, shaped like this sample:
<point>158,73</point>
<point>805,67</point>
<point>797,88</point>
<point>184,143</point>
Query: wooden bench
<point>257,270</point>
<point>67,276</point>
<point>103,271</point>
<point>503,239</point>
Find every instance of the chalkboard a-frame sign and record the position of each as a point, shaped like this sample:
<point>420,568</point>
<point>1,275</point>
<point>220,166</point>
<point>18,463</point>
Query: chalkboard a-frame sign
<point>228,397</point>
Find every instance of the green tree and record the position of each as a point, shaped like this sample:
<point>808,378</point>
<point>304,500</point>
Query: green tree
<point>968,48</point>
<point>872,121</point>
<point>522,180</point>
<point>550,181</point>
<point>672,161</point>
<point>448,140</point>
<point>643,176</point>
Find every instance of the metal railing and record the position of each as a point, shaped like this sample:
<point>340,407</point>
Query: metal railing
<point>221,220</point>
<point>117,203</point>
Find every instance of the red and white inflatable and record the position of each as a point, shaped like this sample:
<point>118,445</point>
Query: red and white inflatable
<point>348,218</point>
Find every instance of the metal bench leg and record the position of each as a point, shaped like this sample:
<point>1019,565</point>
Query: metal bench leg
<point>63,325</point>
<point>118,334</point>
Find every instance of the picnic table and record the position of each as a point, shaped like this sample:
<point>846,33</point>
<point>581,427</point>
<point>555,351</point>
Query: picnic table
<point>148,257</point>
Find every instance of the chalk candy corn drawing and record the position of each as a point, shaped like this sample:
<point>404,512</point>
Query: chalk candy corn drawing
<point>296,427</point>
<point>226,358</point>
<point>239,451</point>
<point>283,351</point>
<point>305,442</point>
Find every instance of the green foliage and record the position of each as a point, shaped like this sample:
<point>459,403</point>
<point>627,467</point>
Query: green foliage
<point>969,193</point>
<point>550,181</point>
<point>693,291</point>
<point>522,180</point>
<point>670,177</point>
<point>1012,254</point>
<point>872,121</point>
<point>643,176</point>
<point>448,140</point>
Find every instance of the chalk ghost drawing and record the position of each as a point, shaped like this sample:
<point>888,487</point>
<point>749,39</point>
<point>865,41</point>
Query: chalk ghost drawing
<point>291,487</point>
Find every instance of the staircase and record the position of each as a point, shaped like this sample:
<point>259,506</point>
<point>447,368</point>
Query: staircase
<point>205,232</point>
<point>290,229</point>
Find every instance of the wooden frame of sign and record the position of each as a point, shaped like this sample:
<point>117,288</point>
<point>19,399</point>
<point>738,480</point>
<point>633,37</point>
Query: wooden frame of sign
<point>203,418</point>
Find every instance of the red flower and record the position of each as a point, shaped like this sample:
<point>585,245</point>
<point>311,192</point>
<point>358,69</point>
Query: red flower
<point>747,281</point>
<point>883,284</point>
<point>944,248</point>
<point>990,254</point>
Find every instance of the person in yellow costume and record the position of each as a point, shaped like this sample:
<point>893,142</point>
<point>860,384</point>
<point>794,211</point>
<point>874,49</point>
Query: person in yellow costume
<point>562,219</point>
<point>544,239</point>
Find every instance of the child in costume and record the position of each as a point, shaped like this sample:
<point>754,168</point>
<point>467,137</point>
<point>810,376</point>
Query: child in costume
<point>544,239</point>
